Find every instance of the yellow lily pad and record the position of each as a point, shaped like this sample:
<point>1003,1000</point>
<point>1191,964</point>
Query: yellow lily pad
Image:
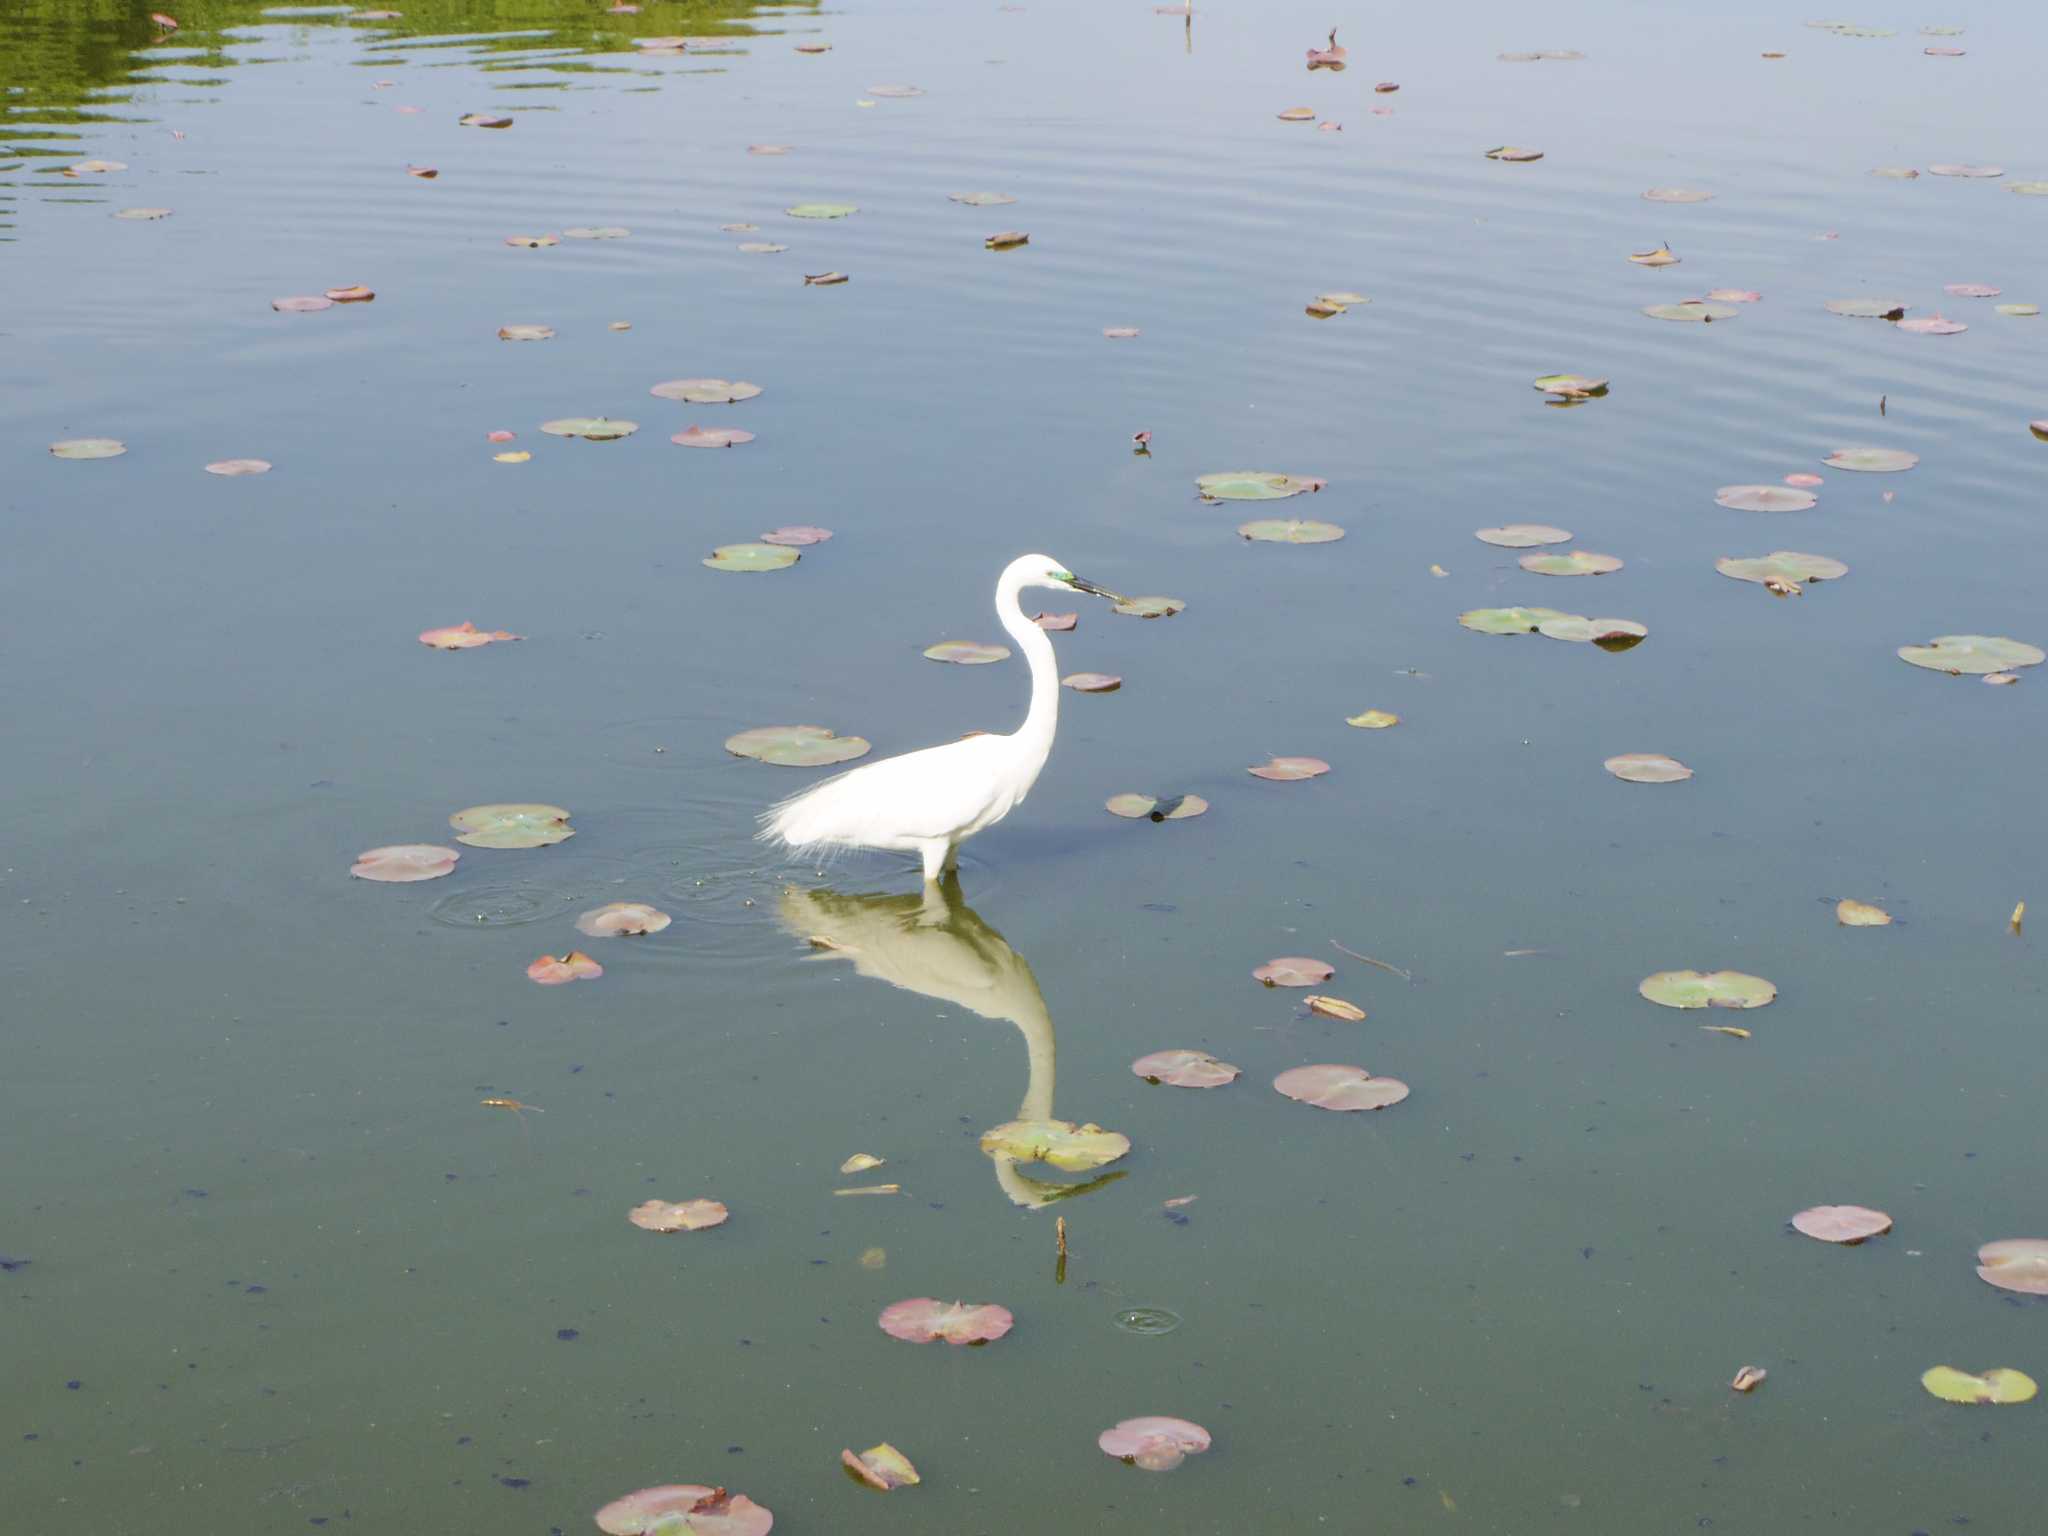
<point>2002,1385</point>
<point>1061,1143</point>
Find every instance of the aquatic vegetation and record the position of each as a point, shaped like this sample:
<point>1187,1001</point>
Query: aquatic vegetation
<point>1708,989</point>
<point>882,1467</point>
<point>684,1509</point>
<point>2002,1385</point>
<point>560,970</point>
<point>922,1320</point>
<point>1185,1069</point>
<point>512,826</point>
<point>1340,1087</point>
<point>677,1215</point>
<point>1294,971</point>
<point>1844,1224</point>
<point>615,918</point>
<point>2015,1264</point>
<point>1647,768</point>
<point>401,863</point>
<point>1157,1444</point>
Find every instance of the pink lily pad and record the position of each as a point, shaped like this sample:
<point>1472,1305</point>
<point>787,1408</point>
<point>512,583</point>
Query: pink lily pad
<point>1185,1069</point>
<point>2015,1264</point>
<point>1294,971</point>
<point>1059,622</point>
<point>710,437</point>
<point>401,863</point>
<point>464,637</point>
<point>684,1509</point>
<point>677,1215</point>
<point>483,120</point>
<point>239,467</point>
<point>797,534</point>
<point>1282,769</point>
<point>920,1320</point>
<point>559,970</point>
<point>302,304</point>
<point>1340,1087</point>
<point>1973,290</point>
<point>1804,481</point>
<point>615,918</point>
<point>1932,325</point>
<point>499,436</point>
<point>1845,1224</point>
<point>532,242</point>
<point>1092,682</point>
<point>1120,332</point>
<point>1155,1443</point>
<point>1734,296</point>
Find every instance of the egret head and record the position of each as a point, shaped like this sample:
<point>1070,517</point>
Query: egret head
<point>1044,571</point>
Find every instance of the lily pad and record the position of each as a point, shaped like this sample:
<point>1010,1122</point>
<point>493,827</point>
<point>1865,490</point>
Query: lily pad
<point>618,918</point>
<point>483,120</point>
<point>1691,309</point>
<point>1973,654</point>
<point>796,746</point>
<point>1972,290</point>
<point>89,448</point>
<point>1253,485</point>
<point>1294,971</point>
<point>706,391</point>
<point>1647,768</point>
<point>1844,1224</point>
<point>1120,333</point>
<point>232,468</point>
<point>1677,195</point>
<point>1156,808</point>
<point>2029,188</point>
<point>1735,296</point>
<point>1711,989</point>
<point>1933,325</point>
<point>896,92</point>
<point>2015,1264</point>
<point>1373,720</point>
<point>684,1509</point>
<point>921,1320</point>
<point>143,215</point>
<point>1297,115</point>
<point>1784,566</point>
<point>1510,621</point>
<point>1056,623</point>
<point>1851,913</point>
<point>1061,1143</point>
<point>1148,607</point>
<point>532,242</point>
<point>598,232</point>
<point>595,429</point>
<point>981,199</point>
<point>761,247</point>
<point>1006,240</point>
<point>1868,309</point>
<point>800,534</point>
<point>824,279</point>
<point>1155,1443</point>
<point>1897,172</point>
<point>1608,634</point>
<point>1290,530</point>
<point>821,210</point>
<point>1967,170</point>
<point>746,558</point>
<point>1579,562</point>
<point>2002,1385</point>
<point>1092,682</point>
<point>526,333</point>
<point>354,293</point>
<point>1334,1008</point>
<point>2019,311</point>
<point>1287,769</point>
<point>1513,153</point>
<point>1185,1069</point>
<point>1523,536</point>
<point>512,826</point>
<point>560,970</point>
<point>967,653</point>
<point>302,304</point>
<point>881,1467</point>
<point>1573,386</point>
<point>464,637</point>
<point>1873,461</point>
<point>1766,498</point>
<point>402,863</point>
<point>677,1215</point>
<point>1341,1087</point>
<point>710,437</point>
<point>1656,256</point>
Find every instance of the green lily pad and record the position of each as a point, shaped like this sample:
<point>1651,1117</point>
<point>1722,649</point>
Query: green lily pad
<point>1509,621</point>
<point>1137,807</point>
<point>1695,309</point>
<point>796,746</point>
<point>1974,654</point>
<point>1874,461</point>
<point>1868,309</point>
<point>1783,565</point>
<point>1075,1148</point>
<point>981,199</point>
<point>143,215</point>
<point>1897,172</point>
<point>1290,530</point>
<point>1253,485</point>
<point>1580,562</point>
<point>1513,153</point>
<point>1523,535</point>
<point>89,448</point>
<point>1148,607</point>
<point>2029,188</point>
<point>2019,311</point>
<point>705,391</point>
<point>752,557</point>
<point>512,826</point>
<point>1711,989</point>
<point>1608,634</point>
<point>967,653</point>
<point>596,429</point>
<point>1571,385</point>
<point>821,210</point>
<point>1766,498</point>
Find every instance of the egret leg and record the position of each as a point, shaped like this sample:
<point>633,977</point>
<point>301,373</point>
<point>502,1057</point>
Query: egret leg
<point>934,854</point>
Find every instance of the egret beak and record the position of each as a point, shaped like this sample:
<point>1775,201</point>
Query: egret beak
<point>1081,584</point>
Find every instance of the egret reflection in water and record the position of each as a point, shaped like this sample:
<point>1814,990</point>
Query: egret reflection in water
<point>936,945</point>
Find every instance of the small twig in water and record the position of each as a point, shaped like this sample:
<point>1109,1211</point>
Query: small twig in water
<point>1059,1269</point>
<point>1368,959</point>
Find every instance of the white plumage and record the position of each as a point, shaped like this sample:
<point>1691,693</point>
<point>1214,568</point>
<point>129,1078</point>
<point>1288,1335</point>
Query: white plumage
<point>929,802</point>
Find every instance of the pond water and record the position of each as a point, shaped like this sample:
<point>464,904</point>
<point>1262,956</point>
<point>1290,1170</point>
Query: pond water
<point>286,1270</point>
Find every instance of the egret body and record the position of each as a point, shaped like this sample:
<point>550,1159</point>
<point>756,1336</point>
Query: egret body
<point>930,802</point>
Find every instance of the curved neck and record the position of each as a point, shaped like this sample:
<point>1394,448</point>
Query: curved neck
<point>1043,717</point>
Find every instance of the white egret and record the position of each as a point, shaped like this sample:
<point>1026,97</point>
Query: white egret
<point>930,802</point>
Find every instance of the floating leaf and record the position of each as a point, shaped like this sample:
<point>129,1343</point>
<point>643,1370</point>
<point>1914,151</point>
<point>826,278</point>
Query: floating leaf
<point>1290,530</point>
<point>1092,682</point>
<point>1287,769</point>
<point>1334,1008</point>
<point>595,429</point>
<point>1868,309</point>
<point>89,448</point>
<point>1373,720</point>
<point>1656,256</point>
<point>560,970</point>
<point>1572,386</point>
<point>1120,332</point>
<point>677,1215</point>
<point>1253,485</point>
<point>761,247</point>
<point>2019,311</point>
<point>1861,914</point>
<point>1844,1224</point>
<point>796,746</point>
<point>423,172</point>
<point>881,1466</point>
<point>1735,295</point>
<point>1711,989</point>
<point>1765,498</point>
<point>532,242</point>
<point>684,1509</point>
<point>1749,1378</point>
<point>1332,1086</point>
<point>1579,562</point>
<point>981,199</point>
<point>896,92</point>
<point>1061,1143</point>
<point>706,391</point>
<point>354,293</point>
<point>2029,188</point>
<point>483,120</point>
<point>512,826</point>
<point>1933,325</point>
<point>1185,1069</point>
<point>1972,290</point>
<point>1147,807</point>
<point>302,304</point>
<point>1523,536</point>
<point>526,333</point>
<point>1732,1031</point>
<point>617,918</point>
<point>143,215</point>
<point>1514,153</point>
<point>1967,170</point>
<point>1294,971</point>
<point>2002,1385</point>
<point>798,534</point>
<point>1647,768</point>
<point>748,558</point>
<point>95,168</point>
<point>920,1320</point>
<point>1897,172</point>
<point>1510,621</point>
<point>1691,309</point>
<point>967,653</point>
<point>1005,240</point>
<point>1874,461</point>
<point>1976,654</point>
<point>821,210</point>
<point>1676,195</point>
<point>1157,1444</point>
<point>861,1162</point>
<point>519,456</point>
<point>1785,566</point>
<point>1296,115</point>
<point>1057,623</point>
<point>464,637</point>
<point>599,232</point>
<point>770,149</point>
<point>2015,1264</point>
<point>402,863</point>
<point>1148,607</point>
<point>710,437</point>
<point>824,279</point>
<point>1608,634</point>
